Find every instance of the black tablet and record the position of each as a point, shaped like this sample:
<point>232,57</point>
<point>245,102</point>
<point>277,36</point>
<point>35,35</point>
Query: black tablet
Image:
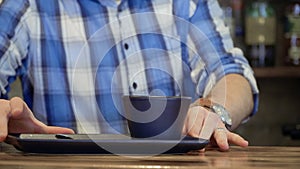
<point>101,144</point>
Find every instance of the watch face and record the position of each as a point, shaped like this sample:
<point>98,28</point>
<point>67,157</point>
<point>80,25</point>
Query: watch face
<point>224,115</point>
<point>219,110</point>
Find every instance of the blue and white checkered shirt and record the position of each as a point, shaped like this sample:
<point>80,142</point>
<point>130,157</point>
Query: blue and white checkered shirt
<point>76,58</point>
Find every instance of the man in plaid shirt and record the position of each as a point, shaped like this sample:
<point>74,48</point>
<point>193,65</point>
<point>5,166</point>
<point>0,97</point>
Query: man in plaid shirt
<point>75,58</point>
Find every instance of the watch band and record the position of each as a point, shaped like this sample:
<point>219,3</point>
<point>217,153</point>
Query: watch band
<point>205,103</point>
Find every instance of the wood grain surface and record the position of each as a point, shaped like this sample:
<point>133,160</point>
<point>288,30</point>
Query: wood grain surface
<point>251,157</point>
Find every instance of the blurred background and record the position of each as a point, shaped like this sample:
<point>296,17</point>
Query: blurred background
<point>268,31</point>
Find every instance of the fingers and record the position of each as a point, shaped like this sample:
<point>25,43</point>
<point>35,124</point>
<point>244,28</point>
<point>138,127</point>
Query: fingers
<point>220,136</point>
<point>19,108</point>
<point>194,121</point>
<point>21,119</point>
<point>202,123</point>
<point>209,125</point>
<point>42,128</point>
<point>237,139</point>
<point>16,117</point>
<point>4,116</point>
<point>11,109</point>
<point>56,130</point>
<point>223,138</point>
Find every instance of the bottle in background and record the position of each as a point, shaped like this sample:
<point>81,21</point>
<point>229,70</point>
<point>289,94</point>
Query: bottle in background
<point>292,34</point>
<point>260,26</point>
<point>226,5</point>
<point>239,39</point>
<point>233,16</point>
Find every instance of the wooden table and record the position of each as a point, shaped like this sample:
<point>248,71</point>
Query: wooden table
<point>251,157</point>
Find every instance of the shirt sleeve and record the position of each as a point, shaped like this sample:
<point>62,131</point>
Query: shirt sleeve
<point>14,42</point>
<point>215,55</point>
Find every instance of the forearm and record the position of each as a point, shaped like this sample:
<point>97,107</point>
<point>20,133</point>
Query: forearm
<point>234,93</point>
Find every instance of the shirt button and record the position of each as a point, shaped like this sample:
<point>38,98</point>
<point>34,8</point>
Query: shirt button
<point>126,46</point>
<point>134,85</point>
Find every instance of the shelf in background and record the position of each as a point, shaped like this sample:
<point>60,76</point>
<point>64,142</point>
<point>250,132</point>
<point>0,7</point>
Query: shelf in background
<point>277,72</point>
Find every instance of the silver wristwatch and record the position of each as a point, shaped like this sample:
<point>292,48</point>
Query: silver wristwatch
<point>219,110</point>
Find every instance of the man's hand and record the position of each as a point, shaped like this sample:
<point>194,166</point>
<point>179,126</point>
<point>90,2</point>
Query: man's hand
<point>233,92</point>
<point>16,117</point>
<point>202,123</point>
